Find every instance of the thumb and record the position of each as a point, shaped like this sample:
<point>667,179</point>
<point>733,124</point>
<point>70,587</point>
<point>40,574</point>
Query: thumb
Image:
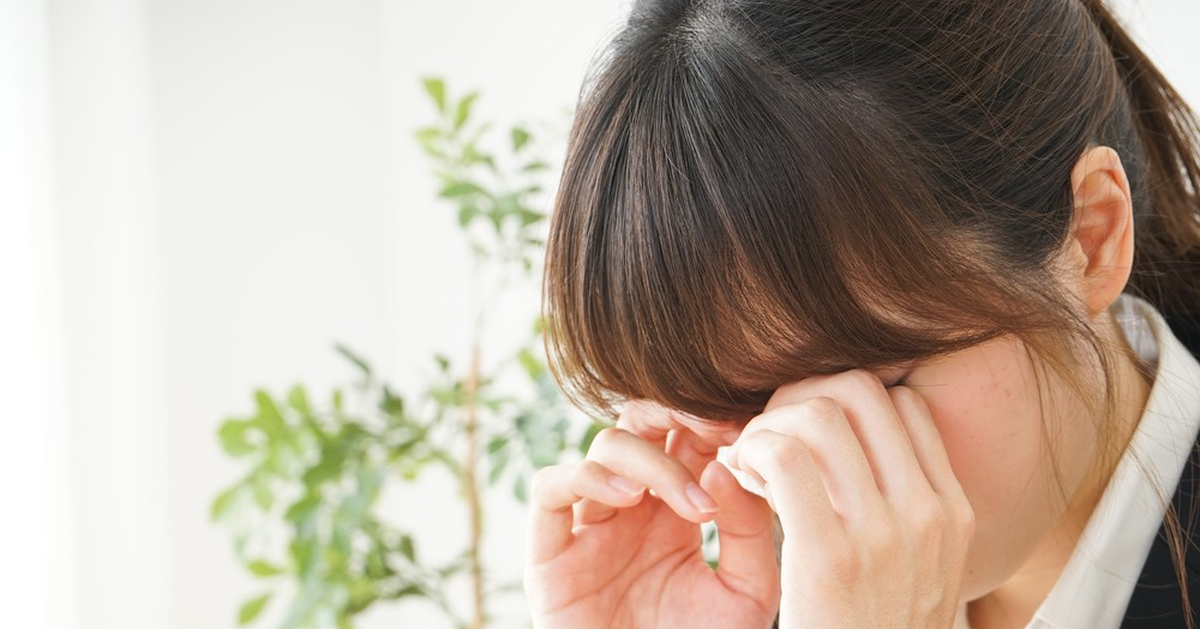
<point>748,562</point>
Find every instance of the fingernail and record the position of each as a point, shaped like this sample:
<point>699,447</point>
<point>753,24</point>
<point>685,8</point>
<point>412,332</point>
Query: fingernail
<point>731,455</point>
<point>700,498</point>
<point>624,485</point>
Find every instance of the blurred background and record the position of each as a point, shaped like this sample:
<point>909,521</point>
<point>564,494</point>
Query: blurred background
<point>198,199</point>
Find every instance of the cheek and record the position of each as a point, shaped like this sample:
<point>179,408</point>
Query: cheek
<point>994,439</point>
<point>986,408</point>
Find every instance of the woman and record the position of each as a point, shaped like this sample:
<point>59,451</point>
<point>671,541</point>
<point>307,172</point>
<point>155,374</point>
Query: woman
<point>928,267</point>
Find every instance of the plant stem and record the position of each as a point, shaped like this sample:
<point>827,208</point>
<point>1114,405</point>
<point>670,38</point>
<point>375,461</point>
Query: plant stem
<point>472,488</point>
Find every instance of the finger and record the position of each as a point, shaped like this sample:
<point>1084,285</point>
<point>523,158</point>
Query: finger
<point>876,424</point>
<point>557,488</point>
<point>640,461</point>
<point>749,561</point>
<point>792,477</point>
<point>822,426</point>
<point>690,450</point>
<point>927,444</point>
<point>653,422</point>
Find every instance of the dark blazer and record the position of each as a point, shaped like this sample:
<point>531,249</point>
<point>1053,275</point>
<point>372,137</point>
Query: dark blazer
<point>1157,601</point>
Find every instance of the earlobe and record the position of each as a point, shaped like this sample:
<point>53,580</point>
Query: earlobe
<point>1101,228</point>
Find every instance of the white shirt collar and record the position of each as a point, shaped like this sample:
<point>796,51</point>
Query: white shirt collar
<point>1098,580</point>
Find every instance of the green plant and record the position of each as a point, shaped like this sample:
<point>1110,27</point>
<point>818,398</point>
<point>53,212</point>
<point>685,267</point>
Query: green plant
<point>304,514</point>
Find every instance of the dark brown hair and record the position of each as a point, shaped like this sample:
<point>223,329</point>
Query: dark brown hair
<point>757,191</point>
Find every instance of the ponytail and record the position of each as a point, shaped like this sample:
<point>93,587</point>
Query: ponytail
<point>1165,170</point>
<point>1166,269</point>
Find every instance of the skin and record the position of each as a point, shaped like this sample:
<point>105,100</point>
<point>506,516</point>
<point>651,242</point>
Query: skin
<point>901,493</point>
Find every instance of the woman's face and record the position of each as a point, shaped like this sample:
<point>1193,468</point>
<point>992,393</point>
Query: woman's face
<point>996,415</point>
<point>996,421</point>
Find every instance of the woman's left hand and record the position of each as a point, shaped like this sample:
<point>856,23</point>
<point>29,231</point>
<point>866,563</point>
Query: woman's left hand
<point>876,526</point>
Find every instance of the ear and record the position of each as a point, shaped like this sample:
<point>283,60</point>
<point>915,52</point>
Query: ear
<point>1101,242</point>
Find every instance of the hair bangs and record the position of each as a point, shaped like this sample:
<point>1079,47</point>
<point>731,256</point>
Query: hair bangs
<point>701,260</point>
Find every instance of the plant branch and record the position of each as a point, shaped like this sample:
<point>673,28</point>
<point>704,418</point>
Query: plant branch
<point>471,486</point>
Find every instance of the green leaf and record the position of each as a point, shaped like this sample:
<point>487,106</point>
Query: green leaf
<point>529,217</point>
<point>531,364</point>
<point>329,466</point>
<point>496,218</point>
<point>436,89</point>
<point>407,549</point>
<point>496,443</point>
<point>471,156</point>
<point>466,213</point>
<point>302,508</point>
<point>262,491</point>
<point>377,566</point>
<point>427,136</point>
<point>263,569</point>
<point>232,434</point>
<point>521,488</point>
<point>399,451</point>
<point>337,553</point>
<point>298,400</point>
<point>363,592</point>
<point>448,396</point>
<point>442,361</point>
<point>409,590</point>
<point>590,435</point>
<point>508,203</point>
<point>354,358</point>
<point>535,166</point>
<point>391,404</point>
<point>224,501</point>
<point>496,403</point>
<point>499,463</point>
<point>269,419</point>
<point>303,552</point>
<point>252,608</point>
<point>460,188</point>
<point>464,110</point>
<point>520,137</point>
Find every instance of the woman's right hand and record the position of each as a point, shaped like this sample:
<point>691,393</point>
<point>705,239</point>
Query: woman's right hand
<point>602,554</point>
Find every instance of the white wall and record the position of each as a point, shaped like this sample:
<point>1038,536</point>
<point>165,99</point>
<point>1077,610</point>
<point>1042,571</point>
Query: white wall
<point>1166,30</point>
<point>236,186</point>
<point>294,210</point>
<point>103,191</point>
<point>36,535</point>
<point>274,237</point>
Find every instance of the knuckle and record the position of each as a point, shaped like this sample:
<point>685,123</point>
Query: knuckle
<point>929,518</point>
<point>776,447</point>
<point>907,398</point>
<point>605,438</point>
<point>902,396</point>
<point>964,518</point>
<point>580,472</point>
<point>884,534</point>
<point>786,393</point>
<point>542,479</point>
<point>542,476</point>
<point>863,379</point>
<point>823,408</point>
